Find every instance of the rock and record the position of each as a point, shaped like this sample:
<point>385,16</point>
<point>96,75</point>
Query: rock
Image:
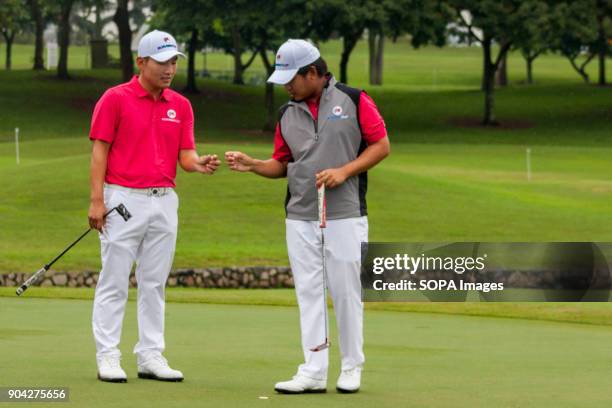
<point>188,281</point>
<point>172,281</point>
<point>59,279</point>
<point>46,282</point>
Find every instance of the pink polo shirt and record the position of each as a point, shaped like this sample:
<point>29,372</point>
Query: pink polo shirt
<point>145,135</point>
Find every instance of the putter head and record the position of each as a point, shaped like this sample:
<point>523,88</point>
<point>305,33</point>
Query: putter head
<point>123,212</point>
<point>321,347</point>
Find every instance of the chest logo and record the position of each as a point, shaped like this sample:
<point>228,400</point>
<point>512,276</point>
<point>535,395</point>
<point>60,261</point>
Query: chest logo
<point>171,113</point>
<point>337,110</point>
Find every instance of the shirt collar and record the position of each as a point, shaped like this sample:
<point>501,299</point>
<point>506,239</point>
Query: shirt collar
<point>329,81</point>
<point>143,93</point>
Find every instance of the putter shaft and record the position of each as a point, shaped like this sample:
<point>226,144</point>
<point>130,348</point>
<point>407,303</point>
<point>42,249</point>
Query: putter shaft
<point>24,286</point>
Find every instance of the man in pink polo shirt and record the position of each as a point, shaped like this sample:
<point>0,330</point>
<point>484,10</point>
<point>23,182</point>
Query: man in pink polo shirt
<point>140,130</point>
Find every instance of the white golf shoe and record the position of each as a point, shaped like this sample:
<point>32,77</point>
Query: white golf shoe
<point>109,369</point>
<point>154,366</point>
<point>301,384</point>
<point>349,380</point>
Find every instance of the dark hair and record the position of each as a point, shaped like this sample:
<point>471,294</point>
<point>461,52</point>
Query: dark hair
<point>320,66</point>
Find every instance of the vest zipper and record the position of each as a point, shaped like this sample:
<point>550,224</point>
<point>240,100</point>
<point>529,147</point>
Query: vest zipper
<point>316,126</point>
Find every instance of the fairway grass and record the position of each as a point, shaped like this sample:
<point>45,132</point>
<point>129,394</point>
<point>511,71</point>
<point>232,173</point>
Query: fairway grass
<point>584,313</point>
<point>232,355</point>
<point>422,192</point>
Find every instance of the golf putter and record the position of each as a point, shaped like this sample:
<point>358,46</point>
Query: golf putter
<point>125,214</point>
<point>322,224</point>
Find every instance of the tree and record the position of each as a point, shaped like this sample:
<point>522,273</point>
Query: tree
<point>352,19</point>
<point>37,15</point>
<point>535,38</point>
<point>425,21</point>
<point>96,8</point>
<point>489,22</point>
<point>233,32</point>
<point>501,75</point>
<point>13,19</point>
<point>186,20</point>
<point>64,28</point>
<point>574,33</point>
<point>604,31</point>
<point>122,20</point>
<point>287,19</point>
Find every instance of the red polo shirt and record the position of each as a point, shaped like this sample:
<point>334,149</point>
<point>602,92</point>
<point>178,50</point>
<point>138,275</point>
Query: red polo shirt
<point>146,135</point>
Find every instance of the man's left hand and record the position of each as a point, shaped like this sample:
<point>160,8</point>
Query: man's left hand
<point>331,177</point>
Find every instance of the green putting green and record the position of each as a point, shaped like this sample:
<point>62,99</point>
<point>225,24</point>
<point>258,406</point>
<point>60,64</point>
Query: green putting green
<point>232,355</point>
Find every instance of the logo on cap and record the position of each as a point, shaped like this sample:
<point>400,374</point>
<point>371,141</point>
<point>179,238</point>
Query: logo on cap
<point>166,39</point>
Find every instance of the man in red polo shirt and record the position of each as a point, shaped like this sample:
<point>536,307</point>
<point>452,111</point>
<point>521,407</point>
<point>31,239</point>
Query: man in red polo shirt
<point>139,130</point>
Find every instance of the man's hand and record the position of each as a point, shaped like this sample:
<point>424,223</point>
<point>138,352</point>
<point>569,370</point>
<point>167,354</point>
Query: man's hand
<point>207,164</point>
<point>239,161</point>
<point>331,177</point>
<point>97,209</point>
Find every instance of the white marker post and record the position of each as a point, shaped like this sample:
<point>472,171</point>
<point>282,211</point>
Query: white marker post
<point>528,164</point>
<point>17,145</point>
<point>51,55</point>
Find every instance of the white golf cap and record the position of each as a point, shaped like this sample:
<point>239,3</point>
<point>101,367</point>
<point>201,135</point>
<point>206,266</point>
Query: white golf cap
<point>158,45</point>
<point>290,57</point>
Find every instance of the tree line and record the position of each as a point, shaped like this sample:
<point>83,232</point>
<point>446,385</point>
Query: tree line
<point>579,30</point>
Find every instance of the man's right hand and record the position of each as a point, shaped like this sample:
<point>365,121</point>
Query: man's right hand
<point>239,161</point>
<point>97,209</point>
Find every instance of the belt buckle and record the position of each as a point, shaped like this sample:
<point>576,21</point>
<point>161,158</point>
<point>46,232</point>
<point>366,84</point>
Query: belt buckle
<point>155,192</point>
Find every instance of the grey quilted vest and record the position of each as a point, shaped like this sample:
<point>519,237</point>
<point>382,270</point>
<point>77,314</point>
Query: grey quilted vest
<point>329,142</point>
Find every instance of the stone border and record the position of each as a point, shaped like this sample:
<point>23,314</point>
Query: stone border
<point>262,277</point>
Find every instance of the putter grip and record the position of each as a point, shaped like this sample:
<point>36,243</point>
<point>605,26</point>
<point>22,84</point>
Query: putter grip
<point>322,204</point>
<point>30,281</point>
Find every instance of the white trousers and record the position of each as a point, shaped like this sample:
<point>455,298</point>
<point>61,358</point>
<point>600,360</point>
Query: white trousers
<point>343,263</point>
<point>147,239</point>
